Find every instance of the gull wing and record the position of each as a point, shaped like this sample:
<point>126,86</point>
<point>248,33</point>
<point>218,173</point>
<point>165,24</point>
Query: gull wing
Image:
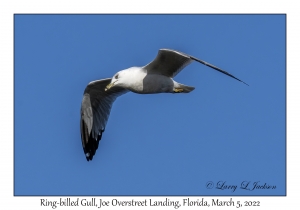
<point>95,109</point>
<point>170,62</point>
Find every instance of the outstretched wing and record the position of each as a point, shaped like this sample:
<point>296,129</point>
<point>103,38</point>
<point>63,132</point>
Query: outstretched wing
<point>95,109</point>
<point>170,62</point>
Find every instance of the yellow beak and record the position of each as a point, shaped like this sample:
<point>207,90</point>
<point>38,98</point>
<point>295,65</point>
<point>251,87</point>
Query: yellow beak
<point>110,85</point>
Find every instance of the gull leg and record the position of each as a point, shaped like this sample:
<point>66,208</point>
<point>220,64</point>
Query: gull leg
<point>178,90</point>
<point>181,88</point>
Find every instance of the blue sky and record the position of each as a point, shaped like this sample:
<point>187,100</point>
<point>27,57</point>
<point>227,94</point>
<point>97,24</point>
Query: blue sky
<point>161,144</point>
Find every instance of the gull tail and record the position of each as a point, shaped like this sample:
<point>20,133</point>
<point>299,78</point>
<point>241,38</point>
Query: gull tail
<point>185,88</point>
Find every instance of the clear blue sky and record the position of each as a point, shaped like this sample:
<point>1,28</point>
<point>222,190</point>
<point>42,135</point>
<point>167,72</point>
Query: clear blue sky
<point>161,144</point>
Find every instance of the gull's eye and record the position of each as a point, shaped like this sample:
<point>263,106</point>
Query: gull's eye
<point>117,76</point>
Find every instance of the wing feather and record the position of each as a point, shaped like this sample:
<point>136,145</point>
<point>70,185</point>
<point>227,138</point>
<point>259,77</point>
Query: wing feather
<point>168,63</point>
<point>95,109</point>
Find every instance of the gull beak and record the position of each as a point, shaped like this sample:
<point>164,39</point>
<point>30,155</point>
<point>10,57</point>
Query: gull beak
<point>110,85</point>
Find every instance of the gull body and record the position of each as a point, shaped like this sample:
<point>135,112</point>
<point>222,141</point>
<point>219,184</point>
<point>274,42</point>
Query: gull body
<point>137,80</point>
<point>155,77</point>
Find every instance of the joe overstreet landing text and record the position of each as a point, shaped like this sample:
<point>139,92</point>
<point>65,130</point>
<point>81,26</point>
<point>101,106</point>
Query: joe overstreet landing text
<point>175,203</point>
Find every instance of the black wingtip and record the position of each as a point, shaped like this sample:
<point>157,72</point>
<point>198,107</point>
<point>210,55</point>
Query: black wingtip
<point>240,80</point>
<point>245,83</point>
<point>91,147</point>
<point>216,68</point>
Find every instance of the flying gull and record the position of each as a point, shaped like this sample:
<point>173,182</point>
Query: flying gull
<point>155,77</point>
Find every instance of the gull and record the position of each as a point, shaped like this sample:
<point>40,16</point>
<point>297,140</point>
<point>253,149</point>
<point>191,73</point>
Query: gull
<point>155,77</point>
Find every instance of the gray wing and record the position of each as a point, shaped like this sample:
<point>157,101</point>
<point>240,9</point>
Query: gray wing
<point>170,62</point>
<point>95,109</point>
